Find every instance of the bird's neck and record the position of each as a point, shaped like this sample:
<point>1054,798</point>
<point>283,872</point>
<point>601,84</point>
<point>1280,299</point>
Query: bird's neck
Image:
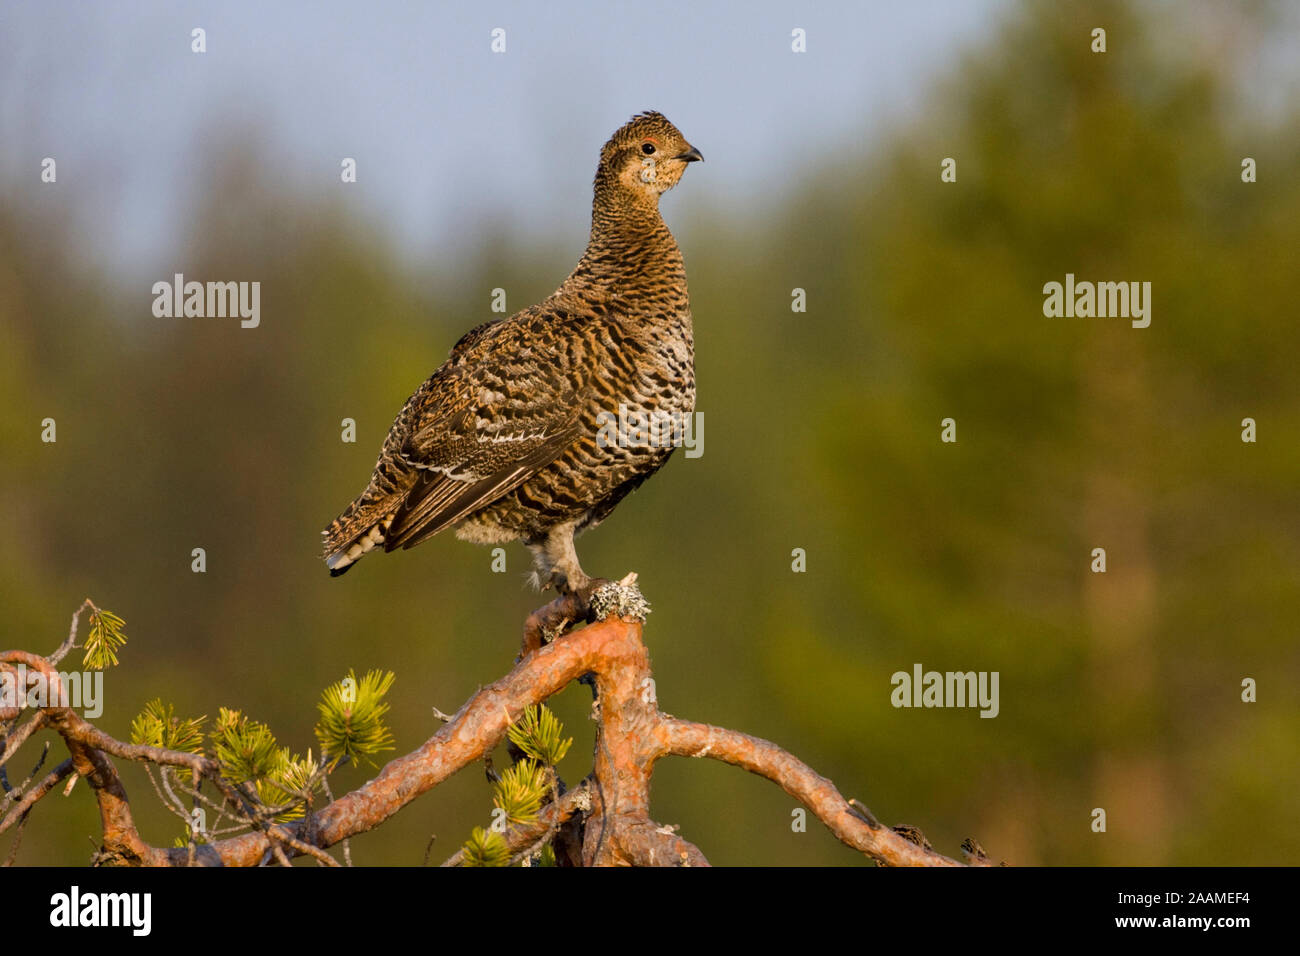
<point>629,241</point>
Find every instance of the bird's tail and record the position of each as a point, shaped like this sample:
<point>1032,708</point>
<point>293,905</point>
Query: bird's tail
<point>347,539</point>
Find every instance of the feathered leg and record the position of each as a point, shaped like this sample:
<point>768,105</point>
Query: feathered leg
<point>555,564</point>
<point>555,561</point>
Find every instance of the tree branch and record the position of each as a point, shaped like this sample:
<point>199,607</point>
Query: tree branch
<point>611,809</point>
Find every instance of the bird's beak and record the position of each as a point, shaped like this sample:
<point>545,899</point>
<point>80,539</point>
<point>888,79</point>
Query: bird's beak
<point>691,155</point>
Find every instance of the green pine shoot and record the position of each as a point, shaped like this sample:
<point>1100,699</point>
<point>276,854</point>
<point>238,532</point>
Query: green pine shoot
<point>104,639</point>
<point>521,790</point>
<point>158,726</point>
<point>352,718</point>
<point>290,784</point>
<point>485,848</point>
<point>539,733</point>
<point>245,748</point>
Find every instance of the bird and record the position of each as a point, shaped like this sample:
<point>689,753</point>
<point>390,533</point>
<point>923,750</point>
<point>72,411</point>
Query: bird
<point>508,440</point>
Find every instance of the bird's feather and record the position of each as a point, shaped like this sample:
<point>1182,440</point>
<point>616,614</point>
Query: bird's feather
<point>438,501</point>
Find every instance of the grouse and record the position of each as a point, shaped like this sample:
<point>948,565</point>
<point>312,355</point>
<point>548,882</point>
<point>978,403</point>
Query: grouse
<point>509,439</point>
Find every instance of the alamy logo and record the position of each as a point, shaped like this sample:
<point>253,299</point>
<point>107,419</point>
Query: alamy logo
<point>210,300</point>
<point>633,428</point>
<point>950,689</point>
<point>82,690</point>
<point>132,910</point>
<point>1124,300</point>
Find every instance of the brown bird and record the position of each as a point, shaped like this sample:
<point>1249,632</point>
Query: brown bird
<point>507,440</point>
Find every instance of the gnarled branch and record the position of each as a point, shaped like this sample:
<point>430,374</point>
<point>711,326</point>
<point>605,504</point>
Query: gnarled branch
<point>606,820</point>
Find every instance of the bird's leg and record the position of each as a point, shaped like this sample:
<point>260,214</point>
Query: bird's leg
<point>562,558</point>
<point>555,562</point>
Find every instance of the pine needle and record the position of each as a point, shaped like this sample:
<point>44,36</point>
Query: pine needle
<point>158,726</point>
<point>540,735</point>
<point>351,722</point>
<point>104,639</point>
<point>246,748</point>
<point>484,848</point>
<point>521,790</point>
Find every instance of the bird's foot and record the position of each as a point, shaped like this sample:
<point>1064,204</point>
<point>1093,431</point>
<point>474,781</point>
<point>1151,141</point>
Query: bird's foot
<point>551,620</point>
<point>594,601</point>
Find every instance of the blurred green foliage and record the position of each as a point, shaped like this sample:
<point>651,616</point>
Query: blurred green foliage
<point>1119,691</point>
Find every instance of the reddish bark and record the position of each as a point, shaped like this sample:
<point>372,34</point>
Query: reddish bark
<point>613,805</point>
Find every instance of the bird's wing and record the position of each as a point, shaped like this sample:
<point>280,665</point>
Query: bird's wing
<point>503,407</point>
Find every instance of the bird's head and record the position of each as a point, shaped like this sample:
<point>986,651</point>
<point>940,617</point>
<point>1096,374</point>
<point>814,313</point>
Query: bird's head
<point>646,156</point>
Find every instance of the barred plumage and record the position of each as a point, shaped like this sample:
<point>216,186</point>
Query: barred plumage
<point>501,441</point>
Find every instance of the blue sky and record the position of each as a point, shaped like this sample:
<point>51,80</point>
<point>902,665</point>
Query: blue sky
<point>451,138</point>
<point>447,134</point>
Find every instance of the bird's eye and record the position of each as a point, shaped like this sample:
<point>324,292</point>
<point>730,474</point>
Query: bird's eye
<point>648,148</point>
